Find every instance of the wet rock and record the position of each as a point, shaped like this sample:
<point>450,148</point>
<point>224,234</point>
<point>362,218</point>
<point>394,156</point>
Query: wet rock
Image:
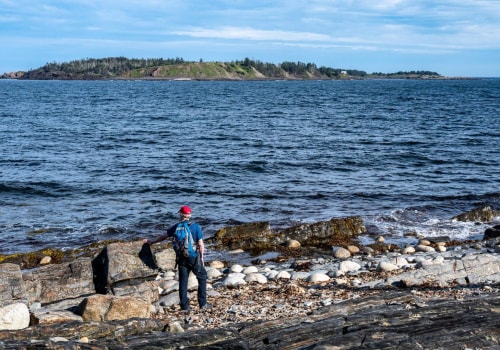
<point>337,231</point>
<point>492,232</point>
<point>483,214</point>
<point>256,235</point>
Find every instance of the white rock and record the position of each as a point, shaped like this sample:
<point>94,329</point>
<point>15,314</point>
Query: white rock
<point>318,277</point>
<point>170,300</point>
<point>272,274</point>
<point>399,261</point>
<point>236,268</point>
<point>408,250</point>
<point>249,270</point>
<point>424,248</point>
<point>283,275</point>
<point>213,273</point>
<point>256,277</point>
<point>234,279</point>
<point>46,260</point>
<point>169,286</point>
<point>341,253</point>
<point>349,266</point>
<point>386,266</point>
<point>299,275</point>
<point>424,242</point>
<point>441,248</point>
<point>14,316</point>
<point>236,251</point>
<point>341,281</point>
<point>216,264</point>
<point>353,249</point>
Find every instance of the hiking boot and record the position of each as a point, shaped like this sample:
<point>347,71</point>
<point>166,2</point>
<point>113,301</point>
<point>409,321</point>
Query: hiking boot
<point>207,306</point>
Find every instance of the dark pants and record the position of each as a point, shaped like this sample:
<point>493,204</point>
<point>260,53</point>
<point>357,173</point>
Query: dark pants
<point>186,265</point>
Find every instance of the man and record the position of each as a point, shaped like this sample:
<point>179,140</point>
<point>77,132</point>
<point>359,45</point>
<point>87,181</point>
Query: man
<point>190,263</point>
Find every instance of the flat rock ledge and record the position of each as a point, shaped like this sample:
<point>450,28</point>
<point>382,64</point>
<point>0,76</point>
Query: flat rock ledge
<point>384,320</point>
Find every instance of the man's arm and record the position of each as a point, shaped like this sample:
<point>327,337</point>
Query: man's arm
<point>160,237</point>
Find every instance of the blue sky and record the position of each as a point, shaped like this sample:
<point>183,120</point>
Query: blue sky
<point>451,37</point>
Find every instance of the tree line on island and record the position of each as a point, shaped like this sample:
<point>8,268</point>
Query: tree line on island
<point>178,68</point>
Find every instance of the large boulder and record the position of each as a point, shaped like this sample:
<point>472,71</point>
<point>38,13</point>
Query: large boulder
<point>11,284</point>
<point>335,232</point>
<point>122,262</point>
<point>14,316</point>
<point>255,235</point>
<point>259,236</point>
<point>483,214</point>
<point>51,283</point>
<point>108,308</point>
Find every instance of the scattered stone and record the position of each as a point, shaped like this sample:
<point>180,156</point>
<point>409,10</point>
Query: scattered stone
<point>386,266</point>
<point>256,277</point>
<point>236,268</point>
<point>216,264</point>
<point>349,266</point>
<point>353,249</point>
<point>46,260</point>
<point>318,277</point>
<point>341,253</point>
<point>424,248</point>
<point>408,250</point>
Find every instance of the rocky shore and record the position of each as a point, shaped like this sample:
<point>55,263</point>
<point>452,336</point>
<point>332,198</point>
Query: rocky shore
<point>320,291</point>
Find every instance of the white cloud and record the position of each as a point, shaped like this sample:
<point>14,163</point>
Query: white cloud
<point>251,34</point>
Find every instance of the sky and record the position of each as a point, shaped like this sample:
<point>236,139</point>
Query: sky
<point>450,37</point>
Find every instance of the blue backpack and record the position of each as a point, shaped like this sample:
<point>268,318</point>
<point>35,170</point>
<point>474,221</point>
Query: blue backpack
<point>183,241</point>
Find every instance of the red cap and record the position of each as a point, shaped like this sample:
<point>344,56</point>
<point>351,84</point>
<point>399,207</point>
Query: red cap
<point>185,210</point>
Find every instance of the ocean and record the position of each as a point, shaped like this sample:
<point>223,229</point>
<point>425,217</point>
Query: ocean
<point>85,161</point>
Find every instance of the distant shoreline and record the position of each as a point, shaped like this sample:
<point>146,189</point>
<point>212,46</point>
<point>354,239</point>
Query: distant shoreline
<point>121,68</point>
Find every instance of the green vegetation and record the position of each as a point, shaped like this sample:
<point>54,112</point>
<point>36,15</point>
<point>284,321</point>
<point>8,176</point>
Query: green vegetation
<point>177,68</point>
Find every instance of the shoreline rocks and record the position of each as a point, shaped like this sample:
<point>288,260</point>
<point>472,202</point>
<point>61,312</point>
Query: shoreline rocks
<point>127,285</point>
